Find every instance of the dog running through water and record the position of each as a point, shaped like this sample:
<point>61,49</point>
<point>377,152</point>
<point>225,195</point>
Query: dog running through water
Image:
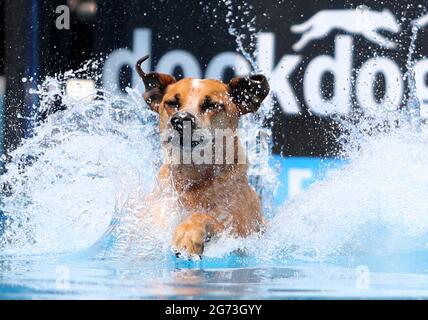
<point>215,193</point>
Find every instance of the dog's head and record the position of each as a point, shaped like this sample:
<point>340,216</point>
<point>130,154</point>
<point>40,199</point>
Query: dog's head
<point>201,104</point>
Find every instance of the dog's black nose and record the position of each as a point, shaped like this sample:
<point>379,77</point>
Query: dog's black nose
<point>181,120</point>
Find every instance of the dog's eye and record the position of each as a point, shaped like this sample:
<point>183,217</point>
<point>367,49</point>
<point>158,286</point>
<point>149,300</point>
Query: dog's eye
<point>211,105</point>
<point>172,104</point>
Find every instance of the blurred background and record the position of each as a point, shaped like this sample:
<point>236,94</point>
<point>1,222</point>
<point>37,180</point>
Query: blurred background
<point>330,75</point>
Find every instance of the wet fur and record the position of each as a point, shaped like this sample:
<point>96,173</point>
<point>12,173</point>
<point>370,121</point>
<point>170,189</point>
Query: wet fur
<point>214,198</point>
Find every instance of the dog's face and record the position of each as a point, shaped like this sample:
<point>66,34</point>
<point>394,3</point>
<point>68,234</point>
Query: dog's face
<point>194,104</point>
<point>204,104</point>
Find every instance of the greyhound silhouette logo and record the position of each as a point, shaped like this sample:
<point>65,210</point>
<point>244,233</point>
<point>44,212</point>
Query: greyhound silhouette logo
<point>362,21</point>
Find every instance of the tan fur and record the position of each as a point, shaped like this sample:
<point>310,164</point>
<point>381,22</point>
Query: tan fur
<point>214,197</point>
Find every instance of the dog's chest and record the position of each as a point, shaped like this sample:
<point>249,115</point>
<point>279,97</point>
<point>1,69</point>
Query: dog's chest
<point>209,199</point>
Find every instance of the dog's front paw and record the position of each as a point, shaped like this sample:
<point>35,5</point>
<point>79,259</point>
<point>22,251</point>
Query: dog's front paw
<point>189,239</point>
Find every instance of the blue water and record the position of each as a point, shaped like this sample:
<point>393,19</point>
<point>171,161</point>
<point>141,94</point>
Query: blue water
<point>42,277</point>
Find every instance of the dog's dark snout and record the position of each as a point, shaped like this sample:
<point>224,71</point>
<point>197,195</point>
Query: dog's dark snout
<point>181,120</point>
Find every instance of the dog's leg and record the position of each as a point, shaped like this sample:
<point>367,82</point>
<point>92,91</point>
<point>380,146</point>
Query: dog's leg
<point>190,236</point>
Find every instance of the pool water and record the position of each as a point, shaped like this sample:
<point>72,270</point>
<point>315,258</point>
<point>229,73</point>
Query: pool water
<point>76,277</point>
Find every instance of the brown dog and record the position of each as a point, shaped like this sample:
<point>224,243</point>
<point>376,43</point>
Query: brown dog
<point>215,195</point>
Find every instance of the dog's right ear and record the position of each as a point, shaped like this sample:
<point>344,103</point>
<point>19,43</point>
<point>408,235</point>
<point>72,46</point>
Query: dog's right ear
<point>155,84</point>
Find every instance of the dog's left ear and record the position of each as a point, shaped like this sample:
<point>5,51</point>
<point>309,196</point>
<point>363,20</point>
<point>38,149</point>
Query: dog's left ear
<point>249,92</point>
<point>155,84</point>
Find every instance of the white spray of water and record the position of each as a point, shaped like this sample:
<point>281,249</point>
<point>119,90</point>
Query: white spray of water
<point>375,204</point>
<point>241,20</point>
<point>65,183</point>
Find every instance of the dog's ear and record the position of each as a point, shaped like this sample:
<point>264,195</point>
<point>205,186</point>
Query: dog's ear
<point>155,84</point>
<point>249,92</point>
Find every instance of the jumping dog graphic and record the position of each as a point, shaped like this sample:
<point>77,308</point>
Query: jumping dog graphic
<point>361,21</point>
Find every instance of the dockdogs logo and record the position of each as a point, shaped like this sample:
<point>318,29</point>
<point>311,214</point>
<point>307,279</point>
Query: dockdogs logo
<point>352,83</point>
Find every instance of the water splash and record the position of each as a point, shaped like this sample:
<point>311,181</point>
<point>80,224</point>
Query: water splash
<point>241,24</point>
<point>379,207</point>
<point>413,105</point>
<point>241,20</point>
<point>63,184</point>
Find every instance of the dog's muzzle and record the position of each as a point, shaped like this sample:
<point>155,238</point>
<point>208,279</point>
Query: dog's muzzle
<point>182,121</point>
